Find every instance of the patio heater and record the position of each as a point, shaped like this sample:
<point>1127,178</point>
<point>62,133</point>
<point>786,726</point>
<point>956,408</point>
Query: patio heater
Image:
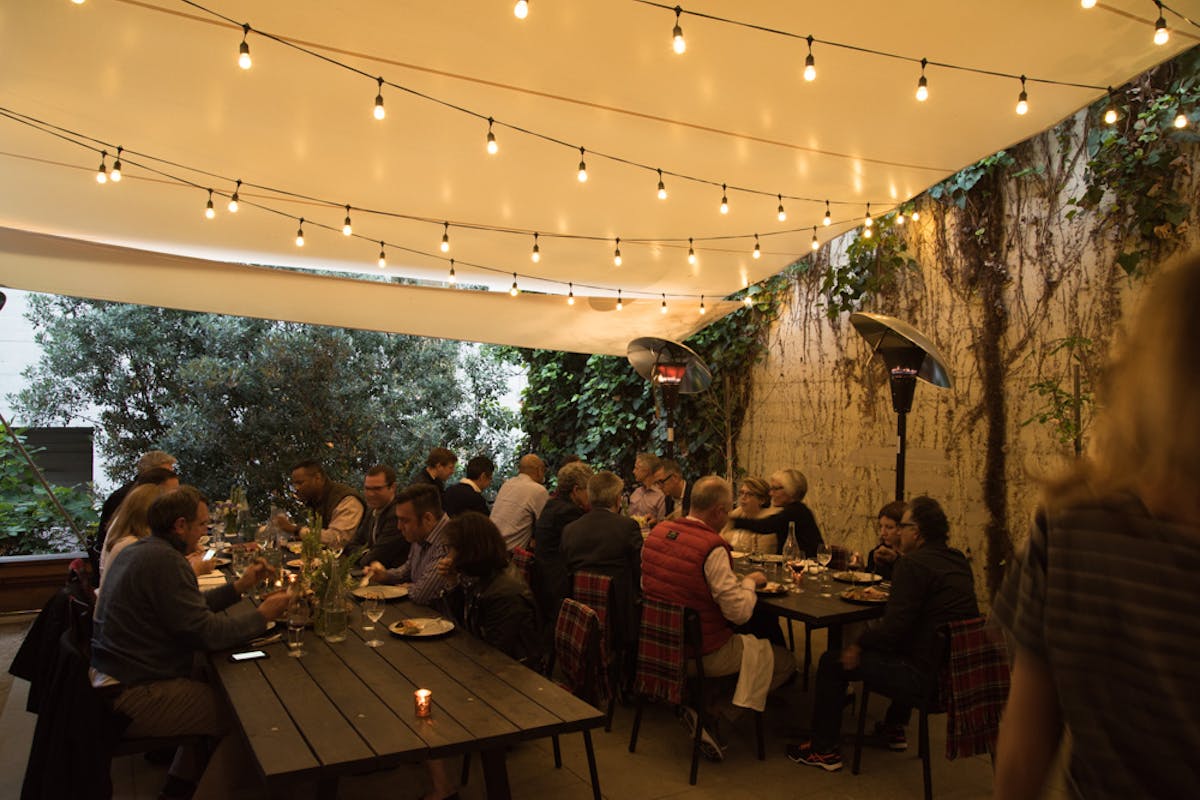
<point>674,368</point>
<point>908,354</point>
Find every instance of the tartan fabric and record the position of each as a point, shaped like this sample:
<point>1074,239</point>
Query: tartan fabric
<point>522,559</point>
<point>579,649</point>
<point>660,651</point>
<point>592,589</point>
<point>975,687</point>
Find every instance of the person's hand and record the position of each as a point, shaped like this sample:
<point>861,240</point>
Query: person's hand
<point>374,572</point>
<point>759,578</point>
<point>259,571</point>
<point>445,567</point>
<point>885,555</point>
<point>285,524</point>
<point>851,657</point>
<point>274,604</point>
<point>199,565</point>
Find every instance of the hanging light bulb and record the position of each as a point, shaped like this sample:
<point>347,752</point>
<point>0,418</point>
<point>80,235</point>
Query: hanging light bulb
<point>691,252</point>
<point>1160,26</point>
<point>347,228</point>
<point>663,309</point>
<point>1022,99</point>
<point>244,49</point>
<point>703,310</point>
<point>452,279</point>
<point>582,167</point>
<point>617,253</point>
<point>102,172</point>
<point>1181,120</point>
<point>382,257</point>
<point>514,291</point>
<point>115,175</point>
<point>620,305</point>
<point>810,64</point>
<point>900,219</point>
<point>781,213</point>
<point>867,233</point>
<point>757,249</point>
<point>724,200</point>
<point>828,217</point>
<point>521,9</point>
<point>867,221</point>
<point>209,211</point>
<point>536,255</point>
<point>662,187</point>
<point>816,244</point>
<point>445,237</point>
<point>300,234</point>
<point>570,294</point>
<point>379,112</point>
<point>1087,3</point>
<point>677,42</point>
<point>78,2</point>
<point>915,215</point>
<point>1110,113</point>
<point>233,198</point>
<point>492,147</point>
<point>747,301</point>
<point>922,84</point>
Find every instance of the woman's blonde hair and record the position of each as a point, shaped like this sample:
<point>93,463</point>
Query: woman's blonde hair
<point>793,482</point>
<point>759,488</point>
<point>130,519</point>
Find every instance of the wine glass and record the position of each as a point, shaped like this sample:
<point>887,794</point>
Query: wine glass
<point>824,556</point>
<point>372,611</point>
<point>297,621</point>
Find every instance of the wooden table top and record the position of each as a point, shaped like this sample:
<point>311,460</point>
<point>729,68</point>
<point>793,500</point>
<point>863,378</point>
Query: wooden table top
<point>346,707</point>
<point>809,606</point>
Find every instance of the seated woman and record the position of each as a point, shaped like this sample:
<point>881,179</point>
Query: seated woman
<point>788,488</point>
<point>754,502</point>
<point>882,559</point>
<point>129,524</point>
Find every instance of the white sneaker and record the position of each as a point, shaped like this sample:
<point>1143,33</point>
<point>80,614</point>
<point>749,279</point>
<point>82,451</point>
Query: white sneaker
<point>709,746</point>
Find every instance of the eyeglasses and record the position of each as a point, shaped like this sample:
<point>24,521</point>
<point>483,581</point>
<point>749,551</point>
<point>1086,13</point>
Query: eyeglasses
<point>775,488</point>
<point>907,525</point>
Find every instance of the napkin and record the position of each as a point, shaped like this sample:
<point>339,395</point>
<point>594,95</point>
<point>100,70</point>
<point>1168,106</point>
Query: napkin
<point>212,580</point>
<point>754,678</point>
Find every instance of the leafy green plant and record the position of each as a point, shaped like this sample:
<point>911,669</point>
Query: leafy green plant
<point>29,522</point>
<point>872,264</point>
<point>1061,406</point>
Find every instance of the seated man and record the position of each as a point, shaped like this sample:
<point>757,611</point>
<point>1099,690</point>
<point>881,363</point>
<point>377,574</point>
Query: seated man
<point>151,620</point>
<point>421,520</point>
<point>686,562</point>
<point>931,585</point>
<point>677,490</point>
<point>647,500</point>
<point>340,507</point>
<point>378,532</point>
<point>467,494</point>
<point>520,502</point>
<point>439,466</point>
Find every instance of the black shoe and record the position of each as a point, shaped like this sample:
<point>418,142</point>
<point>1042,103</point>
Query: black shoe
<point>892,735</point>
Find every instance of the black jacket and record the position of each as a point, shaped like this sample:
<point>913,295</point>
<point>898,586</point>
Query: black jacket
<point>462,497</point>
<point>808,535</point>
<point>611,544</point>
<point>499,609</point>
<point>381,537</point>
<point>551,583</point>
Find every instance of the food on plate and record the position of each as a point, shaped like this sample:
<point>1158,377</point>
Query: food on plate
<point>866,594</point>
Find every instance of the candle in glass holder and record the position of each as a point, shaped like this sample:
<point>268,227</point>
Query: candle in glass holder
<point>423,700</point>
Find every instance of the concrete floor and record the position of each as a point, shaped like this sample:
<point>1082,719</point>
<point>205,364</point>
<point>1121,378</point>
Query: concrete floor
<point>657,771</point>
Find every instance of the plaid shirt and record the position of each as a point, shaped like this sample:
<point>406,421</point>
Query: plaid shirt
<point>975,683</point>
<point>581,652</point>
<point>592,589</point>
<point>522,559</point>
<point>660,651</point>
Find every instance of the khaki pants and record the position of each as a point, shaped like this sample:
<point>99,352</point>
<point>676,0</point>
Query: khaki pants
<point>727,660</point>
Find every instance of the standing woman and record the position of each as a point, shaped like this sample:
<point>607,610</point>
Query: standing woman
<point>788,488</point>
<point>1102,602</point>
<point>882,559</point>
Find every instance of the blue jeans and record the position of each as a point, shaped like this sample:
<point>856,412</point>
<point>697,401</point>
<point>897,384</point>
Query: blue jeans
<point>887,673</point>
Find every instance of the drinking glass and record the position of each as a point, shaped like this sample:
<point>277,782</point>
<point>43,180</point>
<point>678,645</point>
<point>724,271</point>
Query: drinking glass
<point>824,556</point>
<point>241,560</point>
<point>372,611</point>
<point>297,621</point>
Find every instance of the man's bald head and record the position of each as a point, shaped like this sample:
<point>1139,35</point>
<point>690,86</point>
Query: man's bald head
<point>532,466</point>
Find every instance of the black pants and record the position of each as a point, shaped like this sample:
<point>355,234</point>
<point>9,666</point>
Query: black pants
<point>887,673</point>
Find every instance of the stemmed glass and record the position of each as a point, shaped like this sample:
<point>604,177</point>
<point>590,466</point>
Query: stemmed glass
<point>297,621</point>
<point>372,611</point>
<point>824,556</point>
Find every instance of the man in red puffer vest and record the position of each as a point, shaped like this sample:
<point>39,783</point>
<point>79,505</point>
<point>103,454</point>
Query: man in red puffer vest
<point>686,562</point>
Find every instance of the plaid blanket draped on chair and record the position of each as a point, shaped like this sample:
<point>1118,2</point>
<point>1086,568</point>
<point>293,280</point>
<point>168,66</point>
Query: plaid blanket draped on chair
<point>592,589</point>
<point>660,651</point>
<point>975,687</point>
<point>581,652</point>
<point>522,559</point>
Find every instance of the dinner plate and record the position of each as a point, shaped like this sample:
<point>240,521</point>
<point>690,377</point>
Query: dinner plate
<point>383,591</point>
<point>851,576</point>
<point>859,597</point>
<point>296,563</point>
<point>421,627</point>
<point>772,589</point>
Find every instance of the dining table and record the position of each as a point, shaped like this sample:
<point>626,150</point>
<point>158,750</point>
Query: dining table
<point>345,708</point>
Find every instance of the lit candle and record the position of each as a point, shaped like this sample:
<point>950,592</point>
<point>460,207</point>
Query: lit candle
<point>423,700</point>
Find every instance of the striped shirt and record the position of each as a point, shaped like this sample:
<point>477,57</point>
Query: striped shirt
<point>1108,597</point>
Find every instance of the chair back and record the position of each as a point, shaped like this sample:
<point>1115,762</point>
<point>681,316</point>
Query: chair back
<point>579,650</point>
<point>841,557</point>
<point>665,634</point>
<point>522,559</point>
<point>594,591</point>
<point>79,575</point>
<point>974,685</point>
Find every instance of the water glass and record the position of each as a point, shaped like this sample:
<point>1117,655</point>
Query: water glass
<point>297,621</point>
<point>372,611</point>
<point>824,556</point>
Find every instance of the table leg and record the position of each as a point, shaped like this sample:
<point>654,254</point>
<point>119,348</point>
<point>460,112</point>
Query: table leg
<point>495,774</point>
<point>327,788</point>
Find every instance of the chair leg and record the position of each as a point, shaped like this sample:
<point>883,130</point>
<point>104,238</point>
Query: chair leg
<point>466,770</point>
<point>758,730</point>
<point>807,653</point>
<point>608,714</point>
<point>557,752</point>
<point>924,745</point>
<point>591,757</point>
<point>637,723</point>
<point>700,720</point>
<point>862,726</point>
<point>791,636</point>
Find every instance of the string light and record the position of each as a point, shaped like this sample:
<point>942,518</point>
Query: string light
<point>347,228</point>
<point>233,198</point>
<point>703,310</point>
<point>300,234</point>
<point>521,9</point>
<point>810,64</point>
<point>1181,120</point>
<point>1110,114</point>
<point>867,221</point>
<point>379,112</point>
<point>492,147</point>
<point>747,301</point>
<point>244,49</point>
<point>1161,36</point>
<point>536,255</point>
<point>867,233</point>
<point>617,253</point>
<point>445,237</point>
<point>677,42</point>
<point>662,187</point>
<point>691,252</point>
<point>209,211</point>
<point>1022,99</point>
<point>570,294</point>
<point>582,166</point>
<point>115,175</point>
<point>922,84</point>
<point>781,213</point>
<point>724,200</point>
<point>816,244</point>
<point>900,217</point>
<point>102,173</point>
<point>757,249</point>
<point>452,279</point>
<point>915,215</point>
<point>1087,3</point>
<point>664,304</point>
<point>620,305</point>
<point>514,291</point>
<point>78,2</point>
<point>382,257</point>
<point>828,217</point>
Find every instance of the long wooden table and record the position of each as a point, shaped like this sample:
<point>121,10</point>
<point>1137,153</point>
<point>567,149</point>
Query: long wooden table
<point>346,708</point>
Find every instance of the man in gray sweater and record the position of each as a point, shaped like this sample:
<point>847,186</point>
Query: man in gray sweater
<point>152,621</point>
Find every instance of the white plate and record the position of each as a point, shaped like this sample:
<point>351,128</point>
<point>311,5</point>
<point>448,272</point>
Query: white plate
<point>421,628</point>
<point>738,553</point>
<point>767,558</point>
<point>850,576</point>
<point>385,592</point>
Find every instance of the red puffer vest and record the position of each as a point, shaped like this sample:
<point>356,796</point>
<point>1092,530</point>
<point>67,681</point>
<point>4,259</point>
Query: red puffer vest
<point>673,570</point>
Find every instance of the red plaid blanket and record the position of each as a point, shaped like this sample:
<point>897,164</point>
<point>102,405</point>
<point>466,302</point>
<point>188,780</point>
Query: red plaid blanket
<point>592,589</point>
<point>660,651</point>
<point>975,684</point>
<point>522,559</point>
<point>580,651</point>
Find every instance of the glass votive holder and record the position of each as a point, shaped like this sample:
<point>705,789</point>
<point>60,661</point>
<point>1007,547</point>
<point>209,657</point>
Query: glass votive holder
<point>423,702</point>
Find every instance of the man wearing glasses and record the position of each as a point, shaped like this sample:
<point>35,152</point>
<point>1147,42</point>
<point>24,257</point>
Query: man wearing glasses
<point>378,531</point>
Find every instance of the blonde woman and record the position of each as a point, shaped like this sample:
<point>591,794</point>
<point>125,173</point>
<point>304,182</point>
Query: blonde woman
<point>754,502</point>
<point>129,525</point>
<point>788,488</point>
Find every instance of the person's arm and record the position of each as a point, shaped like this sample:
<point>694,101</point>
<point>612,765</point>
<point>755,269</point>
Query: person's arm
<point>1030,730</point>
<point>735,597</point>
<point>428,586</point>
<point>344,523</point>
<point>909,587</point>
<point>190,615</point>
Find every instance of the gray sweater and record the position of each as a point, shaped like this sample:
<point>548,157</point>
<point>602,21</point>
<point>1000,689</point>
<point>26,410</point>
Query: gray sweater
<point>151,618</point>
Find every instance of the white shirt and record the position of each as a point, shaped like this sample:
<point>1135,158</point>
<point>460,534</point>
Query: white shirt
<point>516,509</point>
<point>341,529</point>
<point>736,598</point>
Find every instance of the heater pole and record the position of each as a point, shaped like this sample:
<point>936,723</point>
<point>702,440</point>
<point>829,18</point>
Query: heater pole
<point>901,452</point>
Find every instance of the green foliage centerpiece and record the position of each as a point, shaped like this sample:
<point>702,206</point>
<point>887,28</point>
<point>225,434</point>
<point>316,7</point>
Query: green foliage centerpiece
<point>319,564</point>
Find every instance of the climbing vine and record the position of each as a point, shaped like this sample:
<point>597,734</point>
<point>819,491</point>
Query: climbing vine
<point>874,260</point>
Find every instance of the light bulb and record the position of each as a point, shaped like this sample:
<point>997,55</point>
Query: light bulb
<point>300,234</point>
<point>452,279</point>
<point>703,310</point>
<point>747,301</point>
<point>382,257</point>
<point>570,294</point>
<point>662,187</point>
<point>922,84</point>
<point>724,200</point>
<point>900,220</point>
<point>446,237</point>
<point>492,147</point>
<point>867,221</point>
<point>536,255</point>
<point>347,228</point>
<point>1160,29</point>
<point>1110,116</point>
<point>617,254</point>
<point>780,212</point>
<point>209,211</point>
<point>677,42</point>
<point>810,63</point>
<point>514,291</point>
<point>102,172</point>
<point>1181,120</point>
<point>78,2</point>
<point>379,112</point>
<point>816,245</point>
<point>115,175</point>
<point>691,253</point>
<point>1087,3</point>
<point>867,233</point>
<point>620,305</point>
<point>521,9</point>
<point>915,215</point>
<point>1022,99</point>
<point>664,305</point>
<point>244,49</point>
<point>828,217</point>
<point>233,199</point>
<point>582,167</point>
<point>757,249</point>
